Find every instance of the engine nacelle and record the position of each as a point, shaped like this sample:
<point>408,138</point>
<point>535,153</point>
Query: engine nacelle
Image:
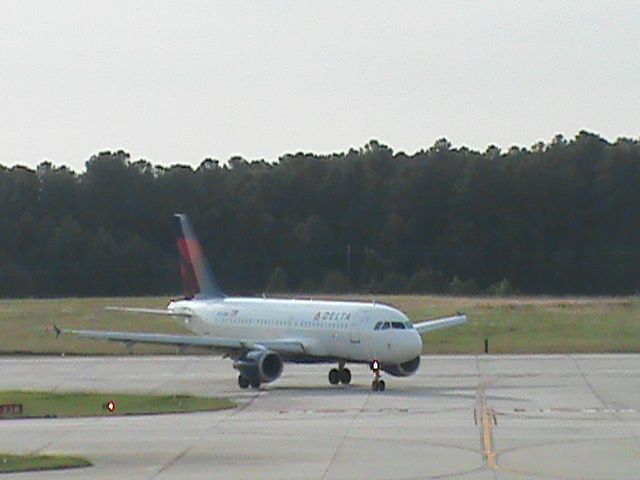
<point>404,369</point>
<point>263,365</point>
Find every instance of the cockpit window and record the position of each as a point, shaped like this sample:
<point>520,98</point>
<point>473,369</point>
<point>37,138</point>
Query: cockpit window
<point>409,325</point>
<point>398,325</point>
<point>386,326</point>
<point>378,325</point>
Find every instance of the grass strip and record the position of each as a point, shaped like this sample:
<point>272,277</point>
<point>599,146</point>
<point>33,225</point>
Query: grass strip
<point>81,404</point>
<point>27,463</point>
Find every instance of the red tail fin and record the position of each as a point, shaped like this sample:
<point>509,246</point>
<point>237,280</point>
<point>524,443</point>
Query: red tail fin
<point>197,279</point>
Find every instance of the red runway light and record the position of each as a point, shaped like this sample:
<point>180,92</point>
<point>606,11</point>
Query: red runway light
<point>111,406</point>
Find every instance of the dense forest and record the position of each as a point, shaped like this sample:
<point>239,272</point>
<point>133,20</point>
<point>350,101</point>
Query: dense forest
<point>560,218</point>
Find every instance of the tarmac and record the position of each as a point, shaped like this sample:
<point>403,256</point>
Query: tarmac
<point>460,417</point>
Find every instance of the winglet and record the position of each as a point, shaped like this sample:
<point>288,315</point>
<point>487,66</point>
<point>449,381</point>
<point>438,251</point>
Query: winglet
<point>56,330</point>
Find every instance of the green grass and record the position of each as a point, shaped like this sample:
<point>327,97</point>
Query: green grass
<point>512,325</point>
<point>26,463</point>
<point>531,324</point>
<point>76,404</point>
<point>25,324</point>
<point>527,324</point>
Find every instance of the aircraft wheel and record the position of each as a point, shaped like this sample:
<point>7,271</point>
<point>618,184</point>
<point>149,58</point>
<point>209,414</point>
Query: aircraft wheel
<point>334,376</point>
<point>345,376</point>
<point>378,386</point>
<point>243,382</point>
<point>255,383</point>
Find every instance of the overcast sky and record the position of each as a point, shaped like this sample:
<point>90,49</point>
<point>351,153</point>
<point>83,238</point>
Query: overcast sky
<point>176,82</point>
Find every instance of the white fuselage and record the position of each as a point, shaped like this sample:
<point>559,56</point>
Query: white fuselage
<point>347,331</point>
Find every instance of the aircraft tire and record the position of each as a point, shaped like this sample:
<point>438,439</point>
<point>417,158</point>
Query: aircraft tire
<point>255,383</point>
<point>345,376</point>
<point>243,382</point>
<point>334,376</point>
<point>378,386</point>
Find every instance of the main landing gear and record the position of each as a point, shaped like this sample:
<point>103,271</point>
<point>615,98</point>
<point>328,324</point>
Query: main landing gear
<point>244,382</point>
<point>377,385</point>
<point>340,375</point>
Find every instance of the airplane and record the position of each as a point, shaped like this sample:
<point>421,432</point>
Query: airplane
<point>261,334</point>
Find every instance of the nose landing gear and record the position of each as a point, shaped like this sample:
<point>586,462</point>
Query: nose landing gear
<point>343,375</point>
<point>340,375</point>
<point>377,385</point>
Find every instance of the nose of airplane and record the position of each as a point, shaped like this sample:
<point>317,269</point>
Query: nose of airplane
<point>415,343</point>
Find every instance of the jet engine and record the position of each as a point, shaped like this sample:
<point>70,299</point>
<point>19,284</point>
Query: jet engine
<point>404,369</point>
<point>258,366</point>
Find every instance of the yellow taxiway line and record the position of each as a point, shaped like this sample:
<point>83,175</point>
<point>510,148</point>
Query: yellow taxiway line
<point>486,438</point>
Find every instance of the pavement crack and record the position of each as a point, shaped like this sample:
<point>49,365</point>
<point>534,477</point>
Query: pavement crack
<point>74,375</point>
<point>186,366</point>
<point>198,440</point>
<point>593,390</point>
<point>344,437</point>
<point>40,449</point>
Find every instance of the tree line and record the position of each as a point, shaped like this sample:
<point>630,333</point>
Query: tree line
<point>561,218</point>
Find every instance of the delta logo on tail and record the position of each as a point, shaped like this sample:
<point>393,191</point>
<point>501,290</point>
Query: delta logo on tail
<point>197,279</point>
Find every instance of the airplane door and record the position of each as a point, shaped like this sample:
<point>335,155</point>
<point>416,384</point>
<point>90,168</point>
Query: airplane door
<point>356,322</point>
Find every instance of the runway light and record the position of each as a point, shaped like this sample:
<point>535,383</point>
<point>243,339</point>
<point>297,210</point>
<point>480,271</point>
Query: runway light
<point>111,406</point>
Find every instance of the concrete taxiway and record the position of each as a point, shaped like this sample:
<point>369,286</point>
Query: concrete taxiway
<point>487,417</point>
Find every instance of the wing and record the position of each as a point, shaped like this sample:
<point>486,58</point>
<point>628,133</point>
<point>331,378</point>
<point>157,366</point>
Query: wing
<point>150,311</point>
<point>438,323</point>
<point>286,346</point>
